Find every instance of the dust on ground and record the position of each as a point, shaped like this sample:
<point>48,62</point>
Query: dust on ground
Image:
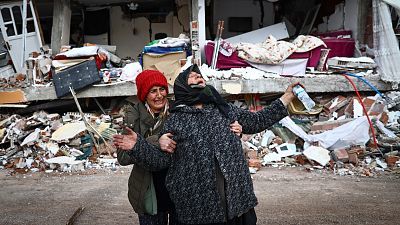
<point>286,196</point>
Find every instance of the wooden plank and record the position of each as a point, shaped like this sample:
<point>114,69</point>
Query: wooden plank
<point>12,96</point>
<point>74,217</point>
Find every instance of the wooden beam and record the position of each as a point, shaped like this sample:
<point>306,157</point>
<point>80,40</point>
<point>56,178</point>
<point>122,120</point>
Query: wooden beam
<point>60,31</point>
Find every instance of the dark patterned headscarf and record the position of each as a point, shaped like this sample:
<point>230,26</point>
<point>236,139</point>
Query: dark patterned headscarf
<point>190,95</point>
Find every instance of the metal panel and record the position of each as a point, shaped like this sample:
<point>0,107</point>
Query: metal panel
<point>278,30</point>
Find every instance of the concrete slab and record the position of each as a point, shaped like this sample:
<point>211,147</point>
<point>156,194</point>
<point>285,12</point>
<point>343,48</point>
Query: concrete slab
<point>313,84</point>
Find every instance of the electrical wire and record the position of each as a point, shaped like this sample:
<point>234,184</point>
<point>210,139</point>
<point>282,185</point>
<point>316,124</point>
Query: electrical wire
<point>365,111</point>
<point>366,82</point>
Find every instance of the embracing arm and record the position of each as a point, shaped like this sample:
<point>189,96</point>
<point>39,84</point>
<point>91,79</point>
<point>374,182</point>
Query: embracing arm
<point>149,156</point>
<point>134,149</point>
<point>131,118</point>
<point>125,159</point>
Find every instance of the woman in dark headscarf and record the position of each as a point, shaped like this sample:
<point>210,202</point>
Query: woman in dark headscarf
<point>190,89</point>
<point>208,178</point>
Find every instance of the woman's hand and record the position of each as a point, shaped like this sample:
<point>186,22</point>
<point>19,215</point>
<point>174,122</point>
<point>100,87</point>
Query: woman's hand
<point>166,143</point>
<point>236,128</point>
<point>127,141</point>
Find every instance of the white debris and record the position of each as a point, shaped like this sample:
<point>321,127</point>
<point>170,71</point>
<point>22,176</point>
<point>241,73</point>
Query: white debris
<point>271,157</point>
<point>63,160</point>
<point>383,165</point>
<point>68,131</point>
<point>285,150</point>
<point>318,154</point>
<point>267,138</point>
<point>32,137</point>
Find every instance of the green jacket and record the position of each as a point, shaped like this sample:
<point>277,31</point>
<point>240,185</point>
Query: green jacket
<point>139,120</point>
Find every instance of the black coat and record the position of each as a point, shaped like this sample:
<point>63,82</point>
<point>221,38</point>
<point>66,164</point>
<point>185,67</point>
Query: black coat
<point>205,142</point>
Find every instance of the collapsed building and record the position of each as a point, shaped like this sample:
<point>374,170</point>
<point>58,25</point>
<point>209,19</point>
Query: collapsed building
<point>68,67</point>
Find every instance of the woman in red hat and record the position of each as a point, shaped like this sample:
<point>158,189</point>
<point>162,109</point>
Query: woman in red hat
<point>146,190</point>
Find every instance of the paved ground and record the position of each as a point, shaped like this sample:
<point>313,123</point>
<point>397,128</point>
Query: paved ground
<point>286,196</point>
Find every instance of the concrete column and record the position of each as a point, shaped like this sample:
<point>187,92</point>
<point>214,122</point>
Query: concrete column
<point>362,20</point>
<point>60,31</point>
<point>199,14</point>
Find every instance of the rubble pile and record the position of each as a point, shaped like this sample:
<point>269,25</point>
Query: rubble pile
<point>338,139</point>
<point>334,136</point>
<point>49,142</point>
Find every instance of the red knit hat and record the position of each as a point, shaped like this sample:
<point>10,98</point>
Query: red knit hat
<point>148,79</point>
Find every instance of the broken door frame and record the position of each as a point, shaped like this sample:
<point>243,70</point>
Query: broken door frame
<point>17,56</point>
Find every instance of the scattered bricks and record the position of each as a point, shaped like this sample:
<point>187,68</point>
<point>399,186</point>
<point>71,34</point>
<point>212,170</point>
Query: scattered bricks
<point>301,159</point>
<point>368,102</point>
<point>349,109</point>
<point>20,77</point>
<point>356,152</point>
<point>391,160</point>
<point>251,154</point>
<point>384,118</point>
<point>328,125</point>
<point>340,155</point>
<point>367,172</point>
<point>256,163</point>
<point>376,109</point>
<point>53,116</point>
<point>335,104</point>
<point>353,158</point>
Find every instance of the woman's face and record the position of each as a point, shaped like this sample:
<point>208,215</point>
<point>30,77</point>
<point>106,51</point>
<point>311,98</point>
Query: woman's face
<point>157,98</point>
<point>196,79</point>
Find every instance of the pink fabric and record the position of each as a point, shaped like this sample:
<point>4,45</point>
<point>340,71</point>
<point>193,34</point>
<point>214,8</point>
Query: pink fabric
<point>336,33</point>
<point>224,62</point>
<point>342,47</point>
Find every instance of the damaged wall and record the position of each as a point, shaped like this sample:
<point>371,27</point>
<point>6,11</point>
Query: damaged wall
<point>345,17</point>
<point>223,9</point>
<point>130,35</point>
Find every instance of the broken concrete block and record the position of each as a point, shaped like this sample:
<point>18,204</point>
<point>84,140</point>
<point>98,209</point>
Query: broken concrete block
<point>52,147</point>
<point>319,127</point>
<point>285,150</point>
<point>252,170</point>
<point>32,137</point>
<point>267,138</point>
<point>318,154</point>
<point>68,131</point>
<point>271,157</point>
